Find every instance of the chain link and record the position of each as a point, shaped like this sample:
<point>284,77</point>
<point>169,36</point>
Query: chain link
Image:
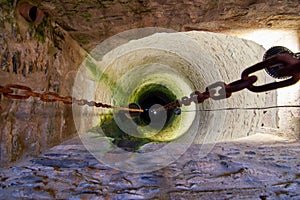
<point>16,91</point>
<point>11,91</point>
<point>216,91</point>
<point>221,90</point>
<point>5,90</point>
<point>291,68</point>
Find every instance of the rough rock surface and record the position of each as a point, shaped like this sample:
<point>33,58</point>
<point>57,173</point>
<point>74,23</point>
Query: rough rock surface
<point>44,58</point>
<point>90,22</point>
<point>237,170</point>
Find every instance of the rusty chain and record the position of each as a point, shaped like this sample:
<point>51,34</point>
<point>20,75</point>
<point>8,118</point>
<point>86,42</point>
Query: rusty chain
<point>221,90</point>
<point>24,92</point>
<point>217,91</point>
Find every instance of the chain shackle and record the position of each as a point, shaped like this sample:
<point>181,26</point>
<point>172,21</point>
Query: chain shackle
<point>221,90</point>
<point>217,90</point>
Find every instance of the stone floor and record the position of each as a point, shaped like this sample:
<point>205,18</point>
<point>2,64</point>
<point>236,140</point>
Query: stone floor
<point>235,170</point>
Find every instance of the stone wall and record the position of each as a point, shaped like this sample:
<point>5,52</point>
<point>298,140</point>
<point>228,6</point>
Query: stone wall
<point>44,58</point>
<point>91,21</point>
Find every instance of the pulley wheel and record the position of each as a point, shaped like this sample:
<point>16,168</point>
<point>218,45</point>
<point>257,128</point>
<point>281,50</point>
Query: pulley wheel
<point>273,70</point>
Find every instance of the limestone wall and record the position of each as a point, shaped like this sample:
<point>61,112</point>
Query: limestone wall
<point>92,21</point>
<point>44,58</point>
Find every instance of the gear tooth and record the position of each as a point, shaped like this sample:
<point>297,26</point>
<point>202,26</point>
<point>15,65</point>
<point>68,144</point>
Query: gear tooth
<point>272,70</point>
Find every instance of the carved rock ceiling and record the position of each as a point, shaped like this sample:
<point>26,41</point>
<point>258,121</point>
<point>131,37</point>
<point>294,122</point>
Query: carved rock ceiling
<point>91,21</point>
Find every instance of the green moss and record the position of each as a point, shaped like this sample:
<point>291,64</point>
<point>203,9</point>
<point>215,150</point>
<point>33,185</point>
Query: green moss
<point>118,137</point>
<point>87,15</point>
<point>99,75</point>
<point>80,38</point>
<point>127,141</point>
<point>40,36</point>
<point>92,67</point>
<point>9,3</point>
<point>41,29</point>
<point>10,20</point>
<point>106,117</point>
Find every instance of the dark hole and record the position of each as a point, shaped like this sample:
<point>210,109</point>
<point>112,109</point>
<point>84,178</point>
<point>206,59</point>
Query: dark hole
<point>157,94</point>
<point>15,63</point>
<point>150,95</point>
<point>134,106</point>
<point>30,69</point>
<point>33,13</point>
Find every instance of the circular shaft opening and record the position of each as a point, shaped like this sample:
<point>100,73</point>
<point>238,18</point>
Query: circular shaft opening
<point>155,94</point>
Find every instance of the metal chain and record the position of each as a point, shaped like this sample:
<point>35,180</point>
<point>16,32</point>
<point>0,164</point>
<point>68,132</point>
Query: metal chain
<point>221,90</point>
<point>216,91</point>
<point>16,91</point>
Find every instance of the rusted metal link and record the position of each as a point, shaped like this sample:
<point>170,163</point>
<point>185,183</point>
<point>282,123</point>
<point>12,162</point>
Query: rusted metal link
<point>49,97</point>
<point>239,85</point>
<point>196,97</point>
<point>292,69</point>
<point>169,106</point>
<point>67,100</point>
<point>221,90</point>
<point>201,97</point>
<point>80,102</point>
<point>98,104</point>
<point>5,90</point>
<point>291,65</point>
<point>34,94</point>
<point>13,93</point>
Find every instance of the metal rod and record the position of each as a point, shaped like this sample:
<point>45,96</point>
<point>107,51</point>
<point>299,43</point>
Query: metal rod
<point>249,108</point>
